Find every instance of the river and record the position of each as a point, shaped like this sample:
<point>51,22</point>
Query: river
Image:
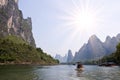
<point>58,72</point>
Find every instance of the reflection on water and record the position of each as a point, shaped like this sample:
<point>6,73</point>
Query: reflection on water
<point>59,72</point>
<point>18,72</point>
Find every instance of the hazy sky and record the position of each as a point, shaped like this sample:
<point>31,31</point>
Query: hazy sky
<point>60,25</point>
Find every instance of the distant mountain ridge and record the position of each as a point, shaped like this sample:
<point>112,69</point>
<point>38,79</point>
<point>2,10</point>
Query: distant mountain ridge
<point>60,58</point>
<point>96,49</point>
<point>65,59</point>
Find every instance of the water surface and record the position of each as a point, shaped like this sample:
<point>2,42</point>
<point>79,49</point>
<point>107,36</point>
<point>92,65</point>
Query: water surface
<point>58,72</point>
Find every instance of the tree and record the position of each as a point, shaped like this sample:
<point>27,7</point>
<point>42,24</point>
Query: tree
<point>117,54</point>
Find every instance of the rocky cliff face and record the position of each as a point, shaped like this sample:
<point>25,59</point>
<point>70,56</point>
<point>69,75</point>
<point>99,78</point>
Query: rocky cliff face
<point>13,23</point>
<point>94,49</point>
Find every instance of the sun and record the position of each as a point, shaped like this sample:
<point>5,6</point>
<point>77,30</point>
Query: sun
<point>82,17</point>
<point>84,20</point>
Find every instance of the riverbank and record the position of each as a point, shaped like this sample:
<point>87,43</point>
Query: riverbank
<point>29,63</point>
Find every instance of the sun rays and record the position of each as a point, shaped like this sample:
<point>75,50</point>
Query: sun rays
<point>81,17</point>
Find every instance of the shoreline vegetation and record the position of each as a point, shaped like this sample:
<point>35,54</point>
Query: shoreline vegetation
<point>114,57</point>
<point>19,52</point>
<point>27,63</point>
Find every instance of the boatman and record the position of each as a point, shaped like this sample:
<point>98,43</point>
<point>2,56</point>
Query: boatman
<point>79,65</point>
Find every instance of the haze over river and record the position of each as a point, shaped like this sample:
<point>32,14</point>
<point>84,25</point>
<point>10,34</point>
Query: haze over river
<point>58,72</point>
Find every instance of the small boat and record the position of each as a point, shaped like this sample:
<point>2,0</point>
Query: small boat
<point>79,69</point>
<point>108,64</point>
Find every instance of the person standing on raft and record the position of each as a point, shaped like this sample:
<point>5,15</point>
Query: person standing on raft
<point>79,65</point>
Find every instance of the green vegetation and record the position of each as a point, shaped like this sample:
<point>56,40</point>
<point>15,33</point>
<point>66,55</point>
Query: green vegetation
<point>16,51</point>
<point>117,54</point>
<point>15,39</point>
<point>114,57</point>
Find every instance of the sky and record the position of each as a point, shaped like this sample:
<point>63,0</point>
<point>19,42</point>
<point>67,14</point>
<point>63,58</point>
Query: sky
<point>60,25</point>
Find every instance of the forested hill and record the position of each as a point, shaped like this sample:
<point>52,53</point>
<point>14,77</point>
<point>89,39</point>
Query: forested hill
<point>14,50</point>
